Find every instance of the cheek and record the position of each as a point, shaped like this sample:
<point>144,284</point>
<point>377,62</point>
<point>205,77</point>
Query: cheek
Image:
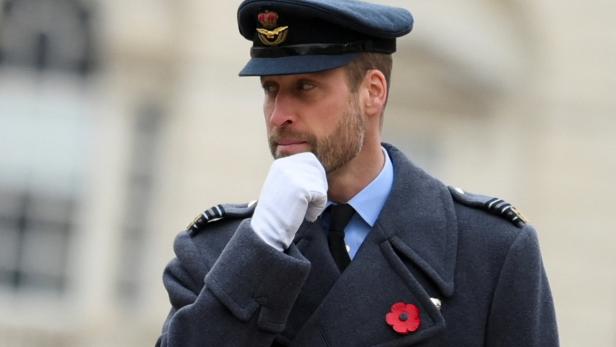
<point>267,111</point>
<point>330,114</point>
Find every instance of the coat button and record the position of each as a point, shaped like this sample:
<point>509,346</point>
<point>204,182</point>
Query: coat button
<point>436,303</point>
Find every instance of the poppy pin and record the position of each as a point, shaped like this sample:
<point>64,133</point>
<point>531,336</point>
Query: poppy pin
<point>403,318</point>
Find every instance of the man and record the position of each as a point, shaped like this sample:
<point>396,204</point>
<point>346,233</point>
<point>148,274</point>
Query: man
<point>350,244</point>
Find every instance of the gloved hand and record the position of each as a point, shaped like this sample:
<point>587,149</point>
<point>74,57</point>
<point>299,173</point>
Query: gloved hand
<point>295,189</point>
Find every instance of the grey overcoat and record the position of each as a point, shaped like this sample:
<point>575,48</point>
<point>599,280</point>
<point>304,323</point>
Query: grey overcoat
<point>229,288</point>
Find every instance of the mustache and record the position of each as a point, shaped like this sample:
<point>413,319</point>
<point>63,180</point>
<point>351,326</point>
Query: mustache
<point>279,134</point>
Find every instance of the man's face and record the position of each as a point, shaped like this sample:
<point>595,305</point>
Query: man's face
<point>314,112</point>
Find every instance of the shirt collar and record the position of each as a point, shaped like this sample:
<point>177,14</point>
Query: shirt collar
<point>369,202</point>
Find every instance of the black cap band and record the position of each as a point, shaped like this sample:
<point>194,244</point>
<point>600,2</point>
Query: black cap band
<point>380,46</point>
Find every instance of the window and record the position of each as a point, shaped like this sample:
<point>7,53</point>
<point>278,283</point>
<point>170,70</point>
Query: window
<point>46,35</point>
<point>34,238</point>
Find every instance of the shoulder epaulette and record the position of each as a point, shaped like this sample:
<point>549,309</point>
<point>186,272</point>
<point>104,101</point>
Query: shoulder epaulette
<point>493,205</point>
<point>219,212</point>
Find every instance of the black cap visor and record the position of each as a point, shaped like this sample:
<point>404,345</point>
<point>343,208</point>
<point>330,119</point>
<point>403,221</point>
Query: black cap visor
<point>295,64</point>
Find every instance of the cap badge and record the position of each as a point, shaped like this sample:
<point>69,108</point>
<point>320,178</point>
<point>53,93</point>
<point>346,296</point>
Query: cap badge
<point>270,35</point>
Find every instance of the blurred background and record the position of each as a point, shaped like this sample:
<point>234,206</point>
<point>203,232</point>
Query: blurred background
<point>122,120</point>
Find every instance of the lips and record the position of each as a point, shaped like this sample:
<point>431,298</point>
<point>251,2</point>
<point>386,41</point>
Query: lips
<point>286,147</point>
<point>289,142</point>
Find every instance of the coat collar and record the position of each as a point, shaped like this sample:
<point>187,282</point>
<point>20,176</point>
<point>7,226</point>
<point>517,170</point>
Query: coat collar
<point>420,221</point>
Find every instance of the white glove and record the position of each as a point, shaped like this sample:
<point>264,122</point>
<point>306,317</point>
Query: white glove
<point>295,189</point>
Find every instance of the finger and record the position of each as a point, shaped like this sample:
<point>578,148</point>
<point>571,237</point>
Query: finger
<point>317,204</point>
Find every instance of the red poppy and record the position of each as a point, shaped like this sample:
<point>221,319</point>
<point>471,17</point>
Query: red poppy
<point>404,318</point>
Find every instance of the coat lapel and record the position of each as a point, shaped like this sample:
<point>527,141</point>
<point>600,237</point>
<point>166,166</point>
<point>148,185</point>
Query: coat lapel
<point>311,240</point>
<point>409,257</point>
<point>419,220</point>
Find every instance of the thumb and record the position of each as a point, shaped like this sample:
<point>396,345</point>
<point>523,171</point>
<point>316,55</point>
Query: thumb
<point>317,204</point>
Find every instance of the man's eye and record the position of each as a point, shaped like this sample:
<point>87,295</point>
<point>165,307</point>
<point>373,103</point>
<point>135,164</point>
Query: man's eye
<point>305,86</point>
<point>269,88</point>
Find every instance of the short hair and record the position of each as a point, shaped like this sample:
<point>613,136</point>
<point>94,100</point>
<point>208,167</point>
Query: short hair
<point>356,69</point>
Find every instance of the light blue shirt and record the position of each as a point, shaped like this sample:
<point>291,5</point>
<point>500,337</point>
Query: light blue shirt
<point>368,204</point>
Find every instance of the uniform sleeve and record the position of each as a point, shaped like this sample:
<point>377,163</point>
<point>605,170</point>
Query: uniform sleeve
<point>244,299</point>
<point>522,311</point>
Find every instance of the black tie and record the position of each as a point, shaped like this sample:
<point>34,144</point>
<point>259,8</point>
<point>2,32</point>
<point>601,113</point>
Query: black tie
<point>340,215</point>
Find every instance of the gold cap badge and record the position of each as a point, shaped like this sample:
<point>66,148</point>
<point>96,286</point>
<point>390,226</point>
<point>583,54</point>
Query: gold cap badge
<point>270,35</point>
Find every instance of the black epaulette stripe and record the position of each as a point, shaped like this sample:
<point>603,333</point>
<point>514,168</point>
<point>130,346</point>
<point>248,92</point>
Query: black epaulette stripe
<point>218,211</point>
<point>491,202</point>
<point>222,209</point>
<point>498,205</point>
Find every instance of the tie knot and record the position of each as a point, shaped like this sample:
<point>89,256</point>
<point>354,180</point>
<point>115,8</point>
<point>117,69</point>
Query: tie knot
<point>340,215</point>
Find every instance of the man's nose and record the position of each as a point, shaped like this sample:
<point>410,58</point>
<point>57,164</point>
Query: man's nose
<point>283,111</point>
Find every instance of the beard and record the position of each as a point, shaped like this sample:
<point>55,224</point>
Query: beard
<point>335,149</point>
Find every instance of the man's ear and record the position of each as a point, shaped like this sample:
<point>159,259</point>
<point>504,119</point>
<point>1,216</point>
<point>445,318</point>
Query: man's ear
<point>374,88</point>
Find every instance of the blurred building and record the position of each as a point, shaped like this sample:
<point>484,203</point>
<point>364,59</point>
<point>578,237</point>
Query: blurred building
<point>120,121</point>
